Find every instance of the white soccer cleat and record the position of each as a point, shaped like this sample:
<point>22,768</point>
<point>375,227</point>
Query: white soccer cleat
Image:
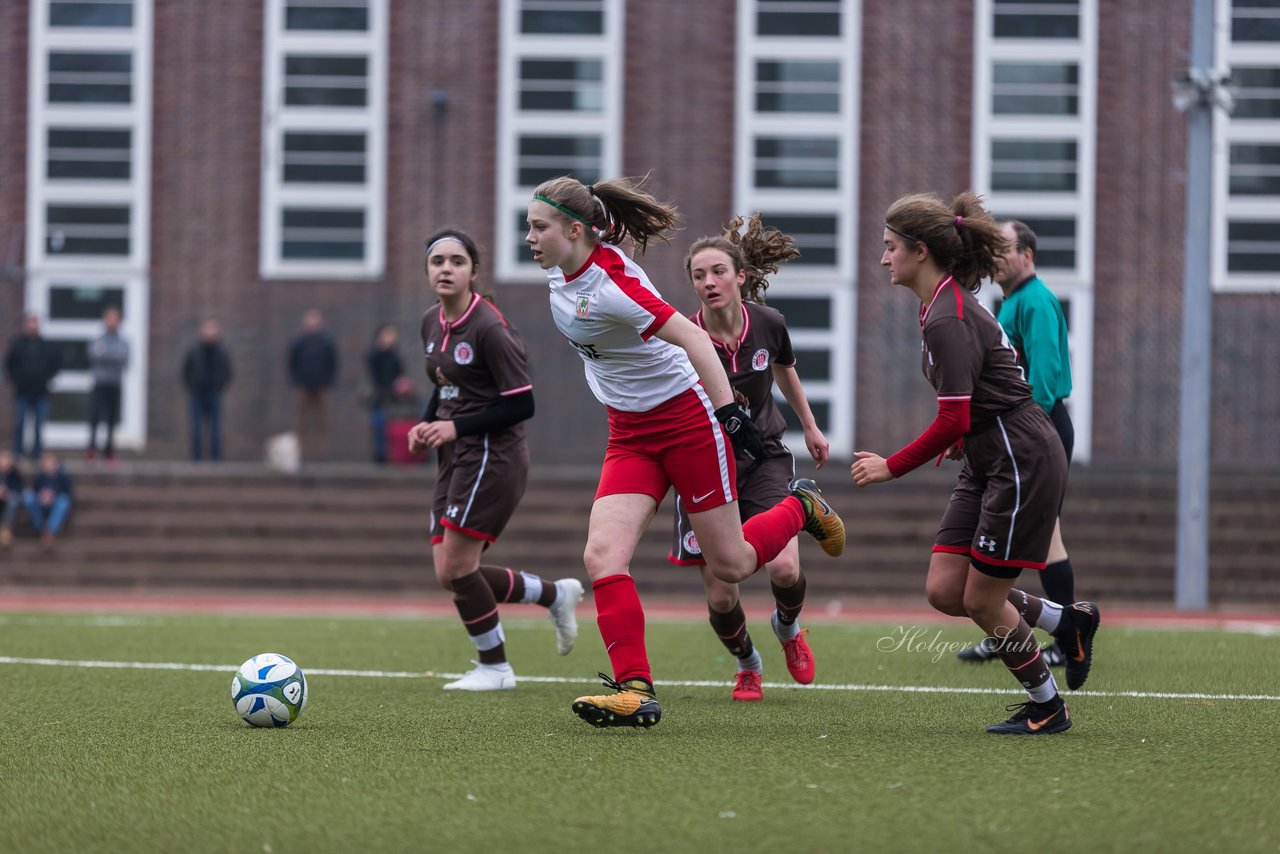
<point>563,613</point>
<point>485,677</point>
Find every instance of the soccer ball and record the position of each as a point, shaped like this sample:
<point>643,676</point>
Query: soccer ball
<point>269,690</point>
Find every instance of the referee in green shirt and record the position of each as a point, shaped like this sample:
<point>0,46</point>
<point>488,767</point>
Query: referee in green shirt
<point>1036,327</point>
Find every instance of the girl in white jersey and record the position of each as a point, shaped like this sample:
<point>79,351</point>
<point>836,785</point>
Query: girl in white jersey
<point>672,417</point>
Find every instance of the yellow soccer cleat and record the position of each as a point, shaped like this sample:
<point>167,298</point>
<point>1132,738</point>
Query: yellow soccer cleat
<point>633,705</point>
<point>820,521</point>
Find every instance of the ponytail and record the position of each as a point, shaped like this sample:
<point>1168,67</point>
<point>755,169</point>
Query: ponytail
<point>614,210</point>
<point>963,238</point>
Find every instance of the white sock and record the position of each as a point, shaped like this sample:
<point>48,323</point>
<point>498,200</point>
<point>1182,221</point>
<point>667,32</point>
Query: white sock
<point>502,665</point>
<point>532,588</point>
<point>1050,616</point>
<point>1045,692</point>
<point>784,631</point>
<point>753,662</point>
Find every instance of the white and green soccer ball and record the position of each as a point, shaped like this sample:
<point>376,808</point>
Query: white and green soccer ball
<point>269,690</point>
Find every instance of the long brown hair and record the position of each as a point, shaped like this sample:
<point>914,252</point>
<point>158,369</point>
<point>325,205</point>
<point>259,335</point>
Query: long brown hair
<point>758,250</point>
<point>614,210</point>
<point>963,238</point>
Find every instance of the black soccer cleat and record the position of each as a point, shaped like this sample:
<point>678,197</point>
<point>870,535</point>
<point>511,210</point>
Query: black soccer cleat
<point>1032,718</point>
<point>820,521</point>
<point>1053,654</point>
<point>1075,637</point>
<point>633,705</point>
<point>980,653</point>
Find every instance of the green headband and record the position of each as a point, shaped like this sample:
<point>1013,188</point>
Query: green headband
<point>562,209</point>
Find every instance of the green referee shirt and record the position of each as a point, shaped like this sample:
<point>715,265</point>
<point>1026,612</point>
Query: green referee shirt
<point>1032,318</point>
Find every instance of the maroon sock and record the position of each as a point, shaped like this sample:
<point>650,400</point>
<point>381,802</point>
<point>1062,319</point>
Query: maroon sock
<point>731,628</point>
<point>1021,654</point>
<point>620,617</point>
<point>509,586</point>
<point>789,600</point>
<point>479,612</point>
<point>770,531</point>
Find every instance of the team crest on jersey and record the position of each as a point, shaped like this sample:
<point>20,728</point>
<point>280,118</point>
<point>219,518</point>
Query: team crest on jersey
<point>584,306</point>
<point>690,543</point>
<point>463,354</point>
<point>760,360</point>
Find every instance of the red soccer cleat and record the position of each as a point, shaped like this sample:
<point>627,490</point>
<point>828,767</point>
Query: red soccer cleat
<point>747,688</point>
<point>799,658</point>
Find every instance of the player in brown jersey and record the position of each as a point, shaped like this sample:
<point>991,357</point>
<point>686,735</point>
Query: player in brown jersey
<point>477,362</point>
<point>729,273</point>
<point>1002,512</point>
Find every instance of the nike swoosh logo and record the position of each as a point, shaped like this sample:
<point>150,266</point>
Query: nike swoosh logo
<point>1079,656</point>
<point>703,497</point>
<point>609,647</point>
<point>1034,726</point>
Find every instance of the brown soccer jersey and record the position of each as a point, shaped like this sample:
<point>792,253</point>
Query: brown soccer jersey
<point>749,362</point>
<point>966,355</point>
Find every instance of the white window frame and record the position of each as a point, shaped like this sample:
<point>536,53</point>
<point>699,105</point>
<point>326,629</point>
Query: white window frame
<point>838,282</point>
<point>513,197</point>
<point>1228,130</point>
<point>1075,284</point>
<point>132,271</point>
<point>278,118</point>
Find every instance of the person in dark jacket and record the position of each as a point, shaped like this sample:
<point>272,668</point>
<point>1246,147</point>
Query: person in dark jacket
<point>385,367</point>
<point>11,485</point>
<point>313,368</point>
<point>49,499</point>
<point>30,365</point>
<point>206,373</point>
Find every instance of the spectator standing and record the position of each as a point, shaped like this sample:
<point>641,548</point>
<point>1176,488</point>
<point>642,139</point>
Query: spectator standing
<point>385,367</point>
<point>30,365</point>
<point>108,359</point>
<point>49,499</point>
<point>313,367</point>
<point>10,496</point>
<point>206,373</point>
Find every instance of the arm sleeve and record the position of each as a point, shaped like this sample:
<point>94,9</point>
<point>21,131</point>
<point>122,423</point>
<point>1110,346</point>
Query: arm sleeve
<point>429,414</point>
<point>1043,354</point>
<point>502,414</point>
<point>951,423</point>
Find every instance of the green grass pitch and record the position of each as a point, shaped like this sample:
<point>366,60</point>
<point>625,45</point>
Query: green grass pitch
<point>111,759</point>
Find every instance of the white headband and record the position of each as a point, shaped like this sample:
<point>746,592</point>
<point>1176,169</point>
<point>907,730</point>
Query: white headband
<point>440,240</point>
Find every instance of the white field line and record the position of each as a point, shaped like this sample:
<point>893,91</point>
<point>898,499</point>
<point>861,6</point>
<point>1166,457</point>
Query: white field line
<point>230,669</point>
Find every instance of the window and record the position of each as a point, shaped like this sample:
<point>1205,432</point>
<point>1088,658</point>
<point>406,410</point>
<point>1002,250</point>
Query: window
<point>808,18</point>
<point>100,13</point>
<point>1034,149</point>
<point>795,160</point>
<point>559,113</point>
<point>88,215</point>
<point>324,138</point>
<point>93,154</point>
<point>90,78</point>
<point>1037,19</point>
<point>1246,255</point>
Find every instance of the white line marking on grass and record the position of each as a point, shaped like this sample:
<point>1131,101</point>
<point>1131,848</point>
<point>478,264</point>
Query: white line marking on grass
<point>685,683</point>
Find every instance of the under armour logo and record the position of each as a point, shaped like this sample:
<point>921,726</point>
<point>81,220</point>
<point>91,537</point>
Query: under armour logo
<point>988,544</point>
<point>452,510</point>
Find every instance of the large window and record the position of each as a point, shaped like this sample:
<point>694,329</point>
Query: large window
<point>324,138</point>
<point>1035,127</point>
<point>795,160</point>
<point>1247,145</point>
<point>88,196</point>
<point>560,91</point>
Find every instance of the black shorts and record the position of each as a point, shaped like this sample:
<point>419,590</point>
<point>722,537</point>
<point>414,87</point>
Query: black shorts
<point>480,482</point>
<point>759,489</point>
<point>1061,419</point>
<point>1006,503</point>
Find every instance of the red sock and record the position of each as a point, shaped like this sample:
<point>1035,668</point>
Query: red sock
<point>770,531</point>
<point>620,617</point>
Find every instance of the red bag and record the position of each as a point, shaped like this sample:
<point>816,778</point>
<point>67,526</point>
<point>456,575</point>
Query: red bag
<point>398,443</point>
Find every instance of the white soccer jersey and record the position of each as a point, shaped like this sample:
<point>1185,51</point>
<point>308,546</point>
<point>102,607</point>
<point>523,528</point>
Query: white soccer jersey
<point>609,311</point>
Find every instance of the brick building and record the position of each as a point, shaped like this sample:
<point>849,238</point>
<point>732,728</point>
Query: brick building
<point>249,159</point>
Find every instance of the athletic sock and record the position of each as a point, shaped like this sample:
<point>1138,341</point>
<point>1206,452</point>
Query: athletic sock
<point>1041,613</point>
<point>770,531</point>
<point>478,609</point>
<point>1059,581</point>
<point>789,601</point>
<point>511,586</point>
<point>1021,654</point>
<point>751,662</point>
<point>731,628</point>
<point>620,618</point>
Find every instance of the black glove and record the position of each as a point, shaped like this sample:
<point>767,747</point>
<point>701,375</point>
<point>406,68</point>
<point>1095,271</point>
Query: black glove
<point>743,432</point>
